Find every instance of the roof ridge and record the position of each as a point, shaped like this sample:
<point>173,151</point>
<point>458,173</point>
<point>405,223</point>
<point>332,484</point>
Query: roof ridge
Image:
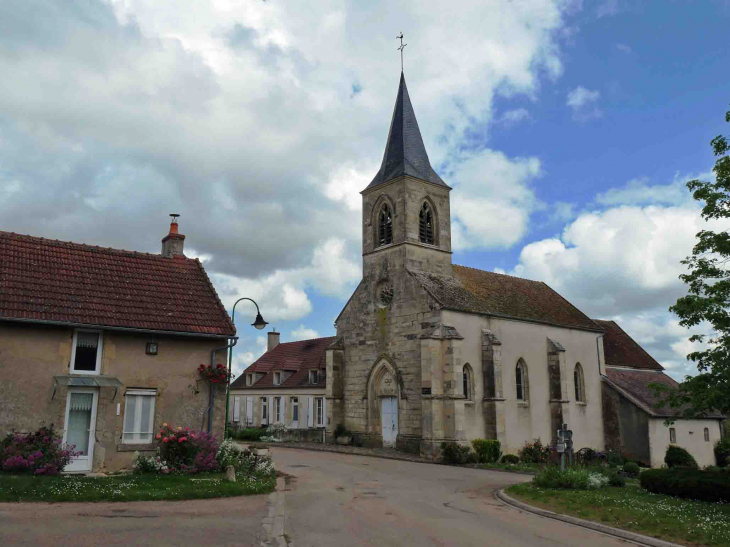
<point>498,273</point>
<point>112,250</point>
<point>222,308</point>
<point>661,368</point>
<point>300,341</point>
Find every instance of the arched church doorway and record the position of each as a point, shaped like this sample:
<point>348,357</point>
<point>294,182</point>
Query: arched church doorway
<point>389,420</point>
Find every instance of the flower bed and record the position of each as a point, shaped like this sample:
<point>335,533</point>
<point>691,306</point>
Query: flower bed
<point>37,453</point>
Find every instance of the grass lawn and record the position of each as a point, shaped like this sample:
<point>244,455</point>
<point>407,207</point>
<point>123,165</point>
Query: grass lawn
<point>632,508</point>
<point>145,487</point>
<point>530,468</point>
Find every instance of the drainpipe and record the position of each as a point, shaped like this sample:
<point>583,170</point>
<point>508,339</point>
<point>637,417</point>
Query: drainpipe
<point>598,353</point>
<point>233,341</point>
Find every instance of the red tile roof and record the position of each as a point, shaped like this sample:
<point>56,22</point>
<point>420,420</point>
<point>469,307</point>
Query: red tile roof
<point>620,350</point>
<point>635,383</point>
<point>57,281</point>
<point>478,291</point>
<point>297,357</point>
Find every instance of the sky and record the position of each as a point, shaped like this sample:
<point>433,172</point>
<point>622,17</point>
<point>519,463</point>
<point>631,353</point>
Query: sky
<point>567,129</point>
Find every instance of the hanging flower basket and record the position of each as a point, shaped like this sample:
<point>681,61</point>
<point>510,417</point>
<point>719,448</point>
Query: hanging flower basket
<point>215,374</point>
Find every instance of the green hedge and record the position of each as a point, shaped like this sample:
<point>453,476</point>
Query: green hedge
<point>677,456</point>
<point>488,451</point>
<point>688,483</point>
<point>248,434</point>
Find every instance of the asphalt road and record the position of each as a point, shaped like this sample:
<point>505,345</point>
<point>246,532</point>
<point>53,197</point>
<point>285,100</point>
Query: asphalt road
<point>337,500</point>
<point>327,500</point>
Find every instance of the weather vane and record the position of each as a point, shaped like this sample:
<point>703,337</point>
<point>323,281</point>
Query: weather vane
<point>402,45</point>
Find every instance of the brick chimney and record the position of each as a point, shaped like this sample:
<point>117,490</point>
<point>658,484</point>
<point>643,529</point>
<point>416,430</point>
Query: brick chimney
<point>273,339</point>
<point>173,243</point>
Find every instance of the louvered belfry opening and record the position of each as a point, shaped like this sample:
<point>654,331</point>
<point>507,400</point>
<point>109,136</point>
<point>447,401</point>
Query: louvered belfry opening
<point>425,231</point>
<point>386,226</point>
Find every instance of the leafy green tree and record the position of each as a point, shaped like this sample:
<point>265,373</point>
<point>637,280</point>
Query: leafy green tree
<point>708,298</point>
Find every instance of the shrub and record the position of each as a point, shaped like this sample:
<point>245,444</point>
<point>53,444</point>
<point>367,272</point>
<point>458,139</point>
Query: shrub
<point>553,477</point>
<point>488,451</point>
<point>454,454</point>
<point>614,457</point>
<point>149,464</point>
<point>535,452</point>
<point>688,483</point>
<point>39,453</point>
<point>632,469</point>
<point>722,452</point>
<point>248,434</point>
<point>677,456</point>
<point>510,459</point>
<point>616,479</point>
<point>586,456</point>
<point>187,451</point>
<point>245,462</point>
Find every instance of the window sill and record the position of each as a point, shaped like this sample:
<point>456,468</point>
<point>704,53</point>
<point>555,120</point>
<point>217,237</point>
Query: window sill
<point>581,403</point>
<point>151,447</point>
<point>468,403</point>
<point>524,404</point>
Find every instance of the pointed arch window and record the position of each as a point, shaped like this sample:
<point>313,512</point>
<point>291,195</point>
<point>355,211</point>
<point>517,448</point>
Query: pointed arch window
<point>385,226</point>
<point>580,385</point>
<point>522,385</point>
<point>467,382</point>
<point>425,226</point>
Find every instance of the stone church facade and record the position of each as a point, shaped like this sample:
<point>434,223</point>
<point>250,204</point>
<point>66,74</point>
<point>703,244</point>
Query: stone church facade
<point>427,351</point>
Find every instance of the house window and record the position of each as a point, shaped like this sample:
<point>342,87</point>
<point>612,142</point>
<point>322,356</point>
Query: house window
<point>249,379</point>
<point>139,416</point>
<point>86,352</point>
<point>425,225</point>
<point>579,382</point>
<point>672,435</point>
<point>277,409</point>
<point>264,410</point>
<point>521,383</point>
<point>320,411</point>
<point>467,383</point>
<point>707,435</point>
<point>385,226</point>
<point>294,409</point>
<point>277,378</point>
<point>313,377</point>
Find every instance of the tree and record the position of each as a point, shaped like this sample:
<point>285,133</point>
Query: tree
<point>708,298</point>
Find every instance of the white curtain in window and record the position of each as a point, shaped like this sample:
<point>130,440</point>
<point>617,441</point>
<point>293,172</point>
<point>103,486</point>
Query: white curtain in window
<point>236,409</point>
<point>139,413</point>
<point>79,421</point>
<point>87,339</point>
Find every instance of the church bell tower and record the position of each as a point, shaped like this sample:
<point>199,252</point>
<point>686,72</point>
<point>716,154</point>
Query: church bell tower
<point>406,217</point>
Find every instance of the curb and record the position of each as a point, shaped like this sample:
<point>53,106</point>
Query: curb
<point>608,530</point>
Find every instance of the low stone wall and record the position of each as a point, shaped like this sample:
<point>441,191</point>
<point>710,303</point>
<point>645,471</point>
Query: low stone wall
<point>301,436</point>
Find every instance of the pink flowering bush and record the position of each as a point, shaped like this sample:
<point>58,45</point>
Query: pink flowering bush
<point>187,451</point>
<point>39,453</point>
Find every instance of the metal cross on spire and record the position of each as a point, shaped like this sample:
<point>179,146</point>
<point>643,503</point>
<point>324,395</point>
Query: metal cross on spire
<point>402,45</point>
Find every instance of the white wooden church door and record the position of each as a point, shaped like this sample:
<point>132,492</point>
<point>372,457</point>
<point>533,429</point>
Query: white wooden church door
<point>389,418</point>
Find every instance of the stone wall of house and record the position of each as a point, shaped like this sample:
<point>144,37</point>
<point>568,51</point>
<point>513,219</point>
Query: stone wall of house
<point>30,356</point>
<point>625,426</point>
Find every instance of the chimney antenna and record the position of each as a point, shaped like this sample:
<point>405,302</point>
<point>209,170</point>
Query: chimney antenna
<point>402,45</point>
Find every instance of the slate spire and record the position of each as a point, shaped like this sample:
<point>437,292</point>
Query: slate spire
<point>405,153</point>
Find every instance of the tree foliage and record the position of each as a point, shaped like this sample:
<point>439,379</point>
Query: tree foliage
<point>708,298</point>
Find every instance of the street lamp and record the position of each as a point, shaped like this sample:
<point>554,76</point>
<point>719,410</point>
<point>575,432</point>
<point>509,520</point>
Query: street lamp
<point>259,324</point>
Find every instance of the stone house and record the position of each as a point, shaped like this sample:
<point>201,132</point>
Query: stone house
<point>104,344</point>
<point>631,421</point>
<point>427,351</point>
<point>286,386</point>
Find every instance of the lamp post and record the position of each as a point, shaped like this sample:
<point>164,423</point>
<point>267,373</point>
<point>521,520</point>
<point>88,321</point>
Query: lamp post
<point>259,324</point>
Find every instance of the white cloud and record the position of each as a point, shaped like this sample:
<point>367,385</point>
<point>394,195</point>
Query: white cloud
<point>246,352</point>
<point>562,211</point>
<point>638,191</point>
<point>624,48</point>
<point>513,117</point>
<point>493,201</point>
<point>584,103</point>
<point>303,333</point>
<point>623,263</point>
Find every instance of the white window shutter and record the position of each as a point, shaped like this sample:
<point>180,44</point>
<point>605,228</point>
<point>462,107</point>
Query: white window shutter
<point>236,409</point>
<point>283,411</point>
<point>310,411</point>
<point>324,411</point>
<point>272,416</point>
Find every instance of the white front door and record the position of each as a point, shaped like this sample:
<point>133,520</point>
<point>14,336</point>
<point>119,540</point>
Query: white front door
<point>80,426</point>
<point>389,416</point>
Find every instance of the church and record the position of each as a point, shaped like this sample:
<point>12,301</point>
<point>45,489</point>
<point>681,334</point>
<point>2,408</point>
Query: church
<point>427,351</point>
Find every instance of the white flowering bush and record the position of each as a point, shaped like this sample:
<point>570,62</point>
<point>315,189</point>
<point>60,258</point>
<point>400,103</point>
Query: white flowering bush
<point>596,481</point>
<point>228,454</point>
<point>149,464</point>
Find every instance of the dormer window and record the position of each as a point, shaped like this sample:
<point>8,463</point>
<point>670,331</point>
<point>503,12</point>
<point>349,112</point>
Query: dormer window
<point>249,379</point>
<point>385,226</point>
<point>277,378</point>
<point>425,225</point>
<point>313,377</point>
<point>86,352</point>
